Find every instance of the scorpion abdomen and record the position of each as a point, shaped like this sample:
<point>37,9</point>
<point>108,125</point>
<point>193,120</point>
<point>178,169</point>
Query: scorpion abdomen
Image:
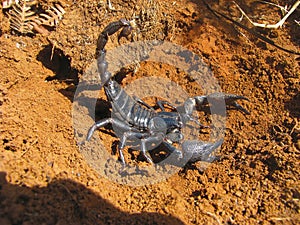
<point>140,116</point>
<point>120,100</point>
<point>126,108</point>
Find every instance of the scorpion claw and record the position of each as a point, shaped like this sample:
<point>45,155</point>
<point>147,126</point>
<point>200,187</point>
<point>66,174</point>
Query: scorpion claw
<point>230,100</point>
<point>200,151</point>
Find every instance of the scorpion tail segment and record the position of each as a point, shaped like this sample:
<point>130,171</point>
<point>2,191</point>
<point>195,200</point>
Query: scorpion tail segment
<point>200,151</point>
<point>126,31</point>
<point>101,42</point>
<point>113,27</point>
<point>105,76</point>
<point>110,29</point>
<point>97,125</point>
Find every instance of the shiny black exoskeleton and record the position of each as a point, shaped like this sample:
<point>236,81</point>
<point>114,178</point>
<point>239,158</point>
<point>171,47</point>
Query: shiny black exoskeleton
<point>134,119</point>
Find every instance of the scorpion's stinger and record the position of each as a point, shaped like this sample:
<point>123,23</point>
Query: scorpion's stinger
<point>101,43</point>
<point>126,31</point>
<point>110,29</point>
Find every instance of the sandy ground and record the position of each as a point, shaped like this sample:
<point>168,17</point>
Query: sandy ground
<point>44,178</point>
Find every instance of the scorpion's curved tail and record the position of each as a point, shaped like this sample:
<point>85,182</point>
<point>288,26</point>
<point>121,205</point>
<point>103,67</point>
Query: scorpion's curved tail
<point>101,42</point>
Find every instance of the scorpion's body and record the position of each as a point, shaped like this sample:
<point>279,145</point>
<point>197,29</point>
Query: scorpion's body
<point>126,108</point>
<point>134,119</point>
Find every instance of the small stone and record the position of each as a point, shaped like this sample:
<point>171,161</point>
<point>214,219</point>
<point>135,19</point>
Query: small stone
<point>238,193</point>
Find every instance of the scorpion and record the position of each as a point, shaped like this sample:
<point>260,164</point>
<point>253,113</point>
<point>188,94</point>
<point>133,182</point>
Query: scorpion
<point>138,120</point>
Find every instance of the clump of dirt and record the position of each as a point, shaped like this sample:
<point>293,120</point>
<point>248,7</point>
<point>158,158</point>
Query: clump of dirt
<point>45,179</point>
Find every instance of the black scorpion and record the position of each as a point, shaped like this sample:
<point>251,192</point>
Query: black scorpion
<point>137,120</point>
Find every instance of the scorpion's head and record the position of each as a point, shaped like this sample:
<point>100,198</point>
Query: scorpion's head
<point>157,125</point>
<point>174,124</point>
<point>174,136</point>
<point>185,111</point>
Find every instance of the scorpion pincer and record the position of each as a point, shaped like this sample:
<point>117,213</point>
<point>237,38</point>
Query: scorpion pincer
<point>139,121</point>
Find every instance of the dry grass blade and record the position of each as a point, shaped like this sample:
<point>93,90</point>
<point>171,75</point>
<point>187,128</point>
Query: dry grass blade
<point>110,7</point>
<point>283,9</point>
<point>51,17</point>
<point>270,26</point>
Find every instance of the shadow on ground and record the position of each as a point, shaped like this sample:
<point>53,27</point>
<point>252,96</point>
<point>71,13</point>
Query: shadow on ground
<point>65,202</point>
<point>55,59</point>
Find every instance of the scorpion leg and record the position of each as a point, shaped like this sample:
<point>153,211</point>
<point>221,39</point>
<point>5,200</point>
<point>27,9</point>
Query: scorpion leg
<point>123,140</point>
<point>154,139</point>
<point>144,137</point>
<point>171,149</point>
<point>103,123</point>
<point>117,123</point>
<point>126,135</point>
<point>144,140</point>
<point>162,104</point>
<point>144,151</point>
<point>97,125</point>
<point>143,103</point>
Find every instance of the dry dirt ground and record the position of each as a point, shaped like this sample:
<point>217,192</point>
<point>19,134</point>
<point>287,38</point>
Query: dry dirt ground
<point>45,180</point>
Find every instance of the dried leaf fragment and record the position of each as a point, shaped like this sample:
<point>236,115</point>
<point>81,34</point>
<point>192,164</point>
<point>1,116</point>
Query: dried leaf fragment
<point>24,18</point>
<point>8,3</point>
<point>51,17</point>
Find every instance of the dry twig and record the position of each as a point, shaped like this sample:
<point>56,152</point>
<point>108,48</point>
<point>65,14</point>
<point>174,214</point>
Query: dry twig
<point>258,35</point>
<point>213,216</point>
<point>271,26</point>
<point>110,7</point>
